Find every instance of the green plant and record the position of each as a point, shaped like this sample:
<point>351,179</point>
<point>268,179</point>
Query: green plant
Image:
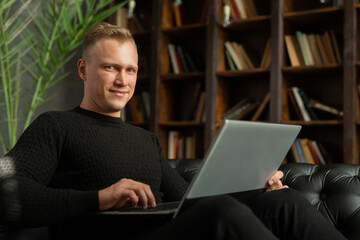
<point>36,40</point>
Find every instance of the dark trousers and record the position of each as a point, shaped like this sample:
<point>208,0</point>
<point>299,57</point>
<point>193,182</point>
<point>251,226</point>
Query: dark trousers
<point>281,214</point>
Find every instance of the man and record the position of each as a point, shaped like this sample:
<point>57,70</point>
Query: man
<point>70,164</point>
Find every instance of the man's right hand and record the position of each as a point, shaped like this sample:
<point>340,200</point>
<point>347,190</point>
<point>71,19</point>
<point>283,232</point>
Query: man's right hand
<point>126,191</point>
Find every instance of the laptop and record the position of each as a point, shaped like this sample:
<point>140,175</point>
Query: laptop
<point>242,157</point>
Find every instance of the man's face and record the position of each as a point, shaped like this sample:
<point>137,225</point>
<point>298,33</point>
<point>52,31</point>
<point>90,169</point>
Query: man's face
<point>109,75</point>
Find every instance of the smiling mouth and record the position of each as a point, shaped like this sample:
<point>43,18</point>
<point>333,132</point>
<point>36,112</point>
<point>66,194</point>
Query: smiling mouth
<point>119,93</point>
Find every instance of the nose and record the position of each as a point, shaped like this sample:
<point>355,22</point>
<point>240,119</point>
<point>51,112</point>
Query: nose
<point>121,78</point>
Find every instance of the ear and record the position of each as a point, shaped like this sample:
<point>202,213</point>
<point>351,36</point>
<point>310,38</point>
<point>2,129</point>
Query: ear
<point>82,69</point>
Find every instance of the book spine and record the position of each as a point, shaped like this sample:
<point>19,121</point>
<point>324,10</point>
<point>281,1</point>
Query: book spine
<point>300,151</point>
<point>300,103</point>
<point>174,64</point>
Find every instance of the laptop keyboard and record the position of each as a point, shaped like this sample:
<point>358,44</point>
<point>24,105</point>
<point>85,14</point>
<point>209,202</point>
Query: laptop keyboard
<point>159,207</point>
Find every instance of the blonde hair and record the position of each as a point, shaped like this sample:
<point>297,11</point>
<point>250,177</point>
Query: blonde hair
<point>105,31</point>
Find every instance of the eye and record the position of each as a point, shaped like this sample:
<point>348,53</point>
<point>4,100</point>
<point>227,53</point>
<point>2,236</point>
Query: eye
<point>131,70</point>
<point>109,67</point>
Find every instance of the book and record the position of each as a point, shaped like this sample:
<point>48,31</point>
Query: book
<point>308,156</point>
<point>306,100</point>
<point>308,52</point>
<point>335,46</point>
<point>173,137</point>
<point>173,60</point>
<point>302,47</point>
<point>318,152</point>
<point>234,108</point>
<point>229,60</point>
<point>200,107</point>
<point>327,46</point>
<point>177,58</point>
<point>314,49</point>
<point>121,19</point>
<point>320,45</point>
<point>313,153</point>
<point>298,50</point>
<point>265,60</point>
<point>300,104</point>
<point>291,51</point>
<point>250,8</point>
<point>177,15</point>
<point>261,108</point>
<point>246,110</point>
<point>240,5</point>
<point>183,62</point>
<point>241,58</point>
<point>325,108</point>
<point>294,104</point>
<point>299,151</point>
<point>233,55</point>
<point>234,10</point>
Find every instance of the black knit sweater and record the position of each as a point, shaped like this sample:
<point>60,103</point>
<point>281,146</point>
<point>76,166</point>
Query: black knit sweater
<point>61,161</point>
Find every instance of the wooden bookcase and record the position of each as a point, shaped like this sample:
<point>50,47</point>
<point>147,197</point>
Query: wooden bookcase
<point>202,31</point>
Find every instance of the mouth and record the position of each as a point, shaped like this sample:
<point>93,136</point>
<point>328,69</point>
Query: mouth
<point>119,93</point>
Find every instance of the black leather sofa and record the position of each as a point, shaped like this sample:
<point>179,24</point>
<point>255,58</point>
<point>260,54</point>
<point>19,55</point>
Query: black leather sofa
<point>333,189</point>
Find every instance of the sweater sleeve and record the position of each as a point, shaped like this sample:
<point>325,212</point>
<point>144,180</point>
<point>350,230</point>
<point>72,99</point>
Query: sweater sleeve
<point>172,184</point>
<point>25,172</point>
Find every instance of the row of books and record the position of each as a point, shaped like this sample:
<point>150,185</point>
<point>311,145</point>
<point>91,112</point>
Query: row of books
<point>308,109</point>
<point>305,150</point>
<point>183,60</point>
<point>180,146</point>
<point>247,107</point>
<point>238,59</point>
<point>313,49</point>
<point>140,20</point>
<point>241,9</point>
<point>138,108</point>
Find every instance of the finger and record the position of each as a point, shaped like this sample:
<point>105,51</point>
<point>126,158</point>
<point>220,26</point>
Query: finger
<point>131,196</point>
<point>146,196</point>
<point>276,177</point>
<point>150,196</point>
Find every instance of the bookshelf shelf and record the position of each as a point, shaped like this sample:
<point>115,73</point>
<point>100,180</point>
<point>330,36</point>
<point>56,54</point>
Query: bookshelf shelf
<point>323,69</point>
<point>182,76</point>
<point>248,23</point>
<point>181,124</point>
<point>313,15</point>
<point>315,123</point>
<point>190,30</point>
<point>241,73</point>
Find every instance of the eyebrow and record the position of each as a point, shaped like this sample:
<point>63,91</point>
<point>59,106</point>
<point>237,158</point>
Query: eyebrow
<point>118,65</point>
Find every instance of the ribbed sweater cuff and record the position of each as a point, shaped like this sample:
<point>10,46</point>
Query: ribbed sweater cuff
<point>83,202</point>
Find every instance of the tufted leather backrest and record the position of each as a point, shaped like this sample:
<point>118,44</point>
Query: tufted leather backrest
<point>334,189</point>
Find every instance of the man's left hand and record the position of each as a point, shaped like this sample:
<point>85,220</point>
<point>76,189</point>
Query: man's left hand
<point>275,183</point>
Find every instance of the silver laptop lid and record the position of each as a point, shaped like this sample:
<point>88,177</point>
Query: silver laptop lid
<point>242,157</point>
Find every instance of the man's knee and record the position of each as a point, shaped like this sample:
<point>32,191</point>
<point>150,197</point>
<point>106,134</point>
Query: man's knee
<point>226,207</point>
